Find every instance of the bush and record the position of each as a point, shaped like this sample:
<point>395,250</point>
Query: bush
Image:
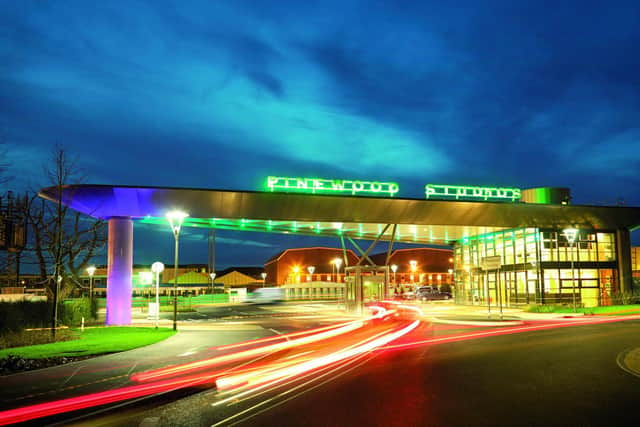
<point>16,316</point>
<point>20,315</point>
<point>71,312</point>
<point>542,308</point>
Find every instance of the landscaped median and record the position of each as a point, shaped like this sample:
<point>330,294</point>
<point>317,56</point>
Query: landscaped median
<point>83,344</point>
<point>608,310</point>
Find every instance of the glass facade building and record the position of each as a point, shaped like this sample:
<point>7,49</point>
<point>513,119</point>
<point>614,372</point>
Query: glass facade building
<point>538,266</point>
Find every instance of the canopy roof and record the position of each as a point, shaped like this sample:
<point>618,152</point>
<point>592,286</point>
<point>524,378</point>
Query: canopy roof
<point>419,221</point>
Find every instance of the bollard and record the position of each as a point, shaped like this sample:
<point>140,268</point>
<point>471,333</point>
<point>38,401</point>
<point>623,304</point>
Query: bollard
<point>82,325</point>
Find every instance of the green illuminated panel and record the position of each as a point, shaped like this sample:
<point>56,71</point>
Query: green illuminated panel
<point>406,233</point>
<point>464,192</point>
<point>339,186</point>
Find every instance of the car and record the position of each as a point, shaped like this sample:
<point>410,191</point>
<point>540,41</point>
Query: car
<point>429,293</point>
<point>266,296</point>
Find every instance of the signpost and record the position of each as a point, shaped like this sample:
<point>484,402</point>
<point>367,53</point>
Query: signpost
<point>492,263</point>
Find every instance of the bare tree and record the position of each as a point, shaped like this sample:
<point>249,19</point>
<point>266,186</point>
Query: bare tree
<point>62,241</point>
<point>4,165</point>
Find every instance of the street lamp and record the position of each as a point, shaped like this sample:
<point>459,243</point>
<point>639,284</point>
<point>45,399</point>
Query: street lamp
<point>157,267</point>
<point>338,263</point>
<point>296,270</point>
<point>264,278</point>
<point>176,218</point>
<point>394,268</point>
<point>572,234</point>
<point>91,270</point>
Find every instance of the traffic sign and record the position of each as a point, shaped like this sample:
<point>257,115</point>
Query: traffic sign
<point>491,262</point>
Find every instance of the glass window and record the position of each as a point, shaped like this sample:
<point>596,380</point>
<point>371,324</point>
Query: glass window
<point>551,282</point>
<point>606,247</point>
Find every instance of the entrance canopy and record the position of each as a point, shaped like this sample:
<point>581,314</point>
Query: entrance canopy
<point>419,221</point>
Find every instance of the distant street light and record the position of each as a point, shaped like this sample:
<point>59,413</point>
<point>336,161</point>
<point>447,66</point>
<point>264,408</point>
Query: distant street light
<point>394,268</point>
<point>264,278</point>
<point>414,265</point>
<point>572,234</point>
<point>91,271</point>
<point>176,218</point>
<point>157,267</point>
<point>296,270</point>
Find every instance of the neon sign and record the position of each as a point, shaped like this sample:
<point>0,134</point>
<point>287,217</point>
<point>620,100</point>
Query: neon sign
<point>465,192</point>
<point>320,185</point>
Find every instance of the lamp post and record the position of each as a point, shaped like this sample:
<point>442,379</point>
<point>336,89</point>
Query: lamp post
<point>91,270</point>
<point>310,269</point>
<point>176,219</point>
<point>212,276</point>
<point>572,234</point>
<point>157,267</point>
<point>394,268</point>
<point>264,278</point>
<point>338,263</point>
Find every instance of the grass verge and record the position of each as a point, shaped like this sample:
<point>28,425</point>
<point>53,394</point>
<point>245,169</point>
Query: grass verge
<point>605,310</point>
<point>92,342</point>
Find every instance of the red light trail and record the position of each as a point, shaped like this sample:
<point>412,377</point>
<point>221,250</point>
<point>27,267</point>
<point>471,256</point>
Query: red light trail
<point>261,376</point>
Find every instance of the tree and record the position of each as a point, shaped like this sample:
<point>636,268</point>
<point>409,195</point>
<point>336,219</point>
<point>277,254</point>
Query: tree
<point>62,241</point>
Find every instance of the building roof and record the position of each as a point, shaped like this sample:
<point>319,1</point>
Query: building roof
<point>247,271</point>
<point>420,221</point>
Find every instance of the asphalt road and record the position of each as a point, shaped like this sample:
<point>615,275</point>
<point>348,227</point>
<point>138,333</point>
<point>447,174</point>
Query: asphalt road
<point>557,376</point>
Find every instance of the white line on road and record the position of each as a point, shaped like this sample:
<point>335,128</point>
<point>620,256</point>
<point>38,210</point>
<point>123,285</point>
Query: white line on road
<point>70,376</point>
<point>189,352</point>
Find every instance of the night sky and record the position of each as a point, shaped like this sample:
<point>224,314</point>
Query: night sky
<point>218,94</point>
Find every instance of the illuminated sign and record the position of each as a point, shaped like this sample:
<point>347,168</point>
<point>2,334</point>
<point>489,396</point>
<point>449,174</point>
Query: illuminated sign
<point>464,192</point>
<point>319,185</point>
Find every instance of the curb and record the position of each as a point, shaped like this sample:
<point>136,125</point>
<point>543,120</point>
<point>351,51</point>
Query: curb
<point>490,323</point>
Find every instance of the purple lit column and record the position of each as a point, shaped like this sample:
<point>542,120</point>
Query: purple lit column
<point>119,271</point>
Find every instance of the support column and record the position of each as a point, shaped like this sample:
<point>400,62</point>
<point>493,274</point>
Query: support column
<point>623,255</point>
<point>119,271</point>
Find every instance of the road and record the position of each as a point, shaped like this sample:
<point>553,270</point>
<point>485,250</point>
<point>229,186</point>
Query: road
<point>535,373</point>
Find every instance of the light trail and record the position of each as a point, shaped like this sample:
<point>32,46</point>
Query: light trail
<point>95,399</point>
<point>515,330</point>
<point>279,374</point>
<point>206,363</point>
<point>259,379</point>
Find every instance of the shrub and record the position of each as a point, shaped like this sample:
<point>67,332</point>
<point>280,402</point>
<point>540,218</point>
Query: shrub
<point>542,308</point>
<point>16,316</point>
<point>71,312</point>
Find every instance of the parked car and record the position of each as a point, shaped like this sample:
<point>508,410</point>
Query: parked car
<point>430,293</point>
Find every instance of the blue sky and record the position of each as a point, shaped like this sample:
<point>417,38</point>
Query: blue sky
<point>218,94</point>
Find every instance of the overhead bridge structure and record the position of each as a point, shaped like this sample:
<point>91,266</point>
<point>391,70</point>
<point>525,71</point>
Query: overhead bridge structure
<point>450,222</point>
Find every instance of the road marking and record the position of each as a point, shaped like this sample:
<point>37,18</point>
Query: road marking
<point>247,412</point>
<point>189,352</point>
<point>150,422</point>
<point>70,376</point>
<point>629,361</point>
<point>279,333</point>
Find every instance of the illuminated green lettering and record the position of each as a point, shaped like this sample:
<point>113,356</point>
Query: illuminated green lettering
<point>465,192</point>
<point>324,186</point>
